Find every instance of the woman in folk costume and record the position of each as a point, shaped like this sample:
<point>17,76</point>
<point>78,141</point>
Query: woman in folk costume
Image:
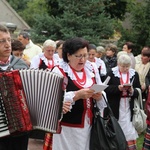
<point>121,98</point>
<point>99,62</point>
<point>47,59</point>
<point>143,70</point>
<point>81,75</point>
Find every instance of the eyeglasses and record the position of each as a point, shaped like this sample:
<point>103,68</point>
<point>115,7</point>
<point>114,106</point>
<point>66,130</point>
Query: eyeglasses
<point>81,56</point>
<point>3,41</point>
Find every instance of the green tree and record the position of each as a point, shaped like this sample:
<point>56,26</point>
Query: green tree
<point>17,5</point>
<point>79,18</point>
<point>92,19</point>
<point>34,8</point>
<point>116,8</point>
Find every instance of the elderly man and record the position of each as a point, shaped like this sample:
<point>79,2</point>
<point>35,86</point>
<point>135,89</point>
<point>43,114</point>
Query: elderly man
<point>30,48</point>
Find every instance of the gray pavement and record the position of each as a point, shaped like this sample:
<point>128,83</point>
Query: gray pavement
<point>35,144</point>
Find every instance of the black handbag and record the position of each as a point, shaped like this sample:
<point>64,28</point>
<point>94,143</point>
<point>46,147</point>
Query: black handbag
<point>106,133</point>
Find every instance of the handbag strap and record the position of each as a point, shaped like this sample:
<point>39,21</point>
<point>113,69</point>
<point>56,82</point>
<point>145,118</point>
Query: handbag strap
<point>139,99</point>
<point>108,106</point>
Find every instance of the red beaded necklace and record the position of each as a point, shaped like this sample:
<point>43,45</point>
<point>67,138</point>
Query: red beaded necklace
<point>121,79</point>
<point>82,80</point>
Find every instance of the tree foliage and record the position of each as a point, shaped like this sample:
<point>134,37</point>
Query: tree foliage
<point>34,8</point>
<point>62,19</point>
<point>19,6</point>
<point>79,18</point>
<point>116,8</point>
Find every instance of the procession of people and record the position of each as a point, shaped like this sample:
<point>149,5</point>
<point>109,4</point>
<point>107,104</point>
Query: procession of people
<point>77,62</point>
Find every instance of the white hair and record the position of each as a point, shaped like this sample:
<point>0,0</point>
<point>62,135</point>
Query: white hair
<point>121,53</point>
<point>124,59</point>
<point>49,43</point>
<point>100,49</point>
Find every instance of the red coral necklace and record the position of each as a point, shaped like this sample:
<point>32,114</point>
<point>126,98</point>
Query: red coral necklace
<point>82,80</point>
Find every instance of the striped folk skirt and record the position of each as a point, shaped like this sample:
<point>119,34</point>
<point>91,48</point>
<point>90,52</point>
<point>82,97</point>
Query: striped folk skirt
<point>131,145</point>
<point>146,144</point>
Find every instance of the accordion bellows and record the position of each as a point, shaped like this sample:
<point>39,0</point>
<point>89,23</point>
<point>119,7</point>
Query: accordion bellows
<point>29,99</point>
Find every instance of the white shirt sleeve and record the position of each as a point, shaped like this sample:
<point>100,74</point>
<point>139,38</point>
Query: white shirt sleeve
<point>103,68</point>
<point>35,62</point>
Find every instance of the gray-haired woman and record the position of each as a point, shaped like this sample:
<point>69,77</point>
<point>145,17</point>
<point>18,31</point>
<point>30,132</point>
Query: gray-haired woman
<point>121,98</point>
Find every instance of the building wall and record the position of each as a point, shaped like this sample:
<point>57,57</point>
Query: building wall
<point>9,15</point>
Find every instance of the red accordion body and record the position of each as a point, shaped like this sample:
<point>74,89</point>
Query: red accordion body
<point>14,113</point>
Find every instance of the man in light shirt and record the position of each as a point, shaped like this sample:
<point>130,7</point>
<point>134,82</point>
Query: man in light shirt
<point>30,48</point>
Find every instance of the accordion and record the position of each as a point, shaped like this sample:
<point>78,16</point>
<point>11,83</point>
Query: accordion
<point>29,99</point>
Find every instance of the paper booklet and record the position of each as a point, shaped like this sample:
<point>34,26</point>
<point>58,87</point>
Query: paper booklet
<point>100,87</point>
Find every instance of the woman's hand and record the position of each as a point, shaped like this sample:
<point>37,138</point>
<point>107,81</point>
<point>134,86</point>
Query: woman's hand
<point>66,107</point>
<point>97,96</point>
<point>83,94</point>
<point>131,90</point>
<point>143,87</point>
<point>120,87</point>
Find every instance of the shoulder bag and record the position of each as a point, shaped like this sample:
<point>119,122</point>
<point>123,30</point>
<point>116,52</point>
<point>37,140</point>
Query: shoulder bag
<point>139,116</point>
<point>106,133</point>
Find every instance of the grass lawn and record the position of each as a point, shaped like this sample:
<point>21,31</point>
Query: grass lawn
<point>140,141</point>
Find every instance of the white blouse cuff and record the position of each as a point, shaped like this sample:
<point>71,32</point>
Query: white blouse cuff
<point>68,96</point>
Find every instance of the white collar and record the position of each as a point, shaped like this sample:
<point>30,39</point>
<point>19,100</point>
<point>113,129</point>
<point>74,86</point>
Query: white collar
<point>88,69</point>
<point>116,72</point>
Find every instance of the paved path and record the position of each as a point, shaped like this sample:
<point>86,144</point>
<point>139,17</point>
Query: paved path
<point>35,144</point>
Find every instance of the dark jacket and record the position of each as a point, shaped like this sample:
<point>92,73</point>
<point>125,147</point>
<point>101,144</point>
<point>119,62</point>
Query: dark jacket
<point>110,62</point>
<point>114,94</point>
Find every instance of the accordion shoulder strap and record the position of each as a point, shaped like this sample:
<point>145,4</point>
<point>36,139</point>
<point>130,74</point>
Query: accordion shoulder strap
<point>13,61</point>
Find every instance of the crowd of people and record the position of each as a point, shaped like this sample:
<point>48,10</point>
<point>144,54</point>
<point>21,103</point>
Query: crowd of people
<point>83,64</point>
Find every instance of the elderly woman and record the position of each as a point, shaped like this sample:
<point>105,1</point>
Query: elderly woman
<point>78,98</point>
<point>121,98</point>
<point>100,52</point>
<point>47,59</point>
